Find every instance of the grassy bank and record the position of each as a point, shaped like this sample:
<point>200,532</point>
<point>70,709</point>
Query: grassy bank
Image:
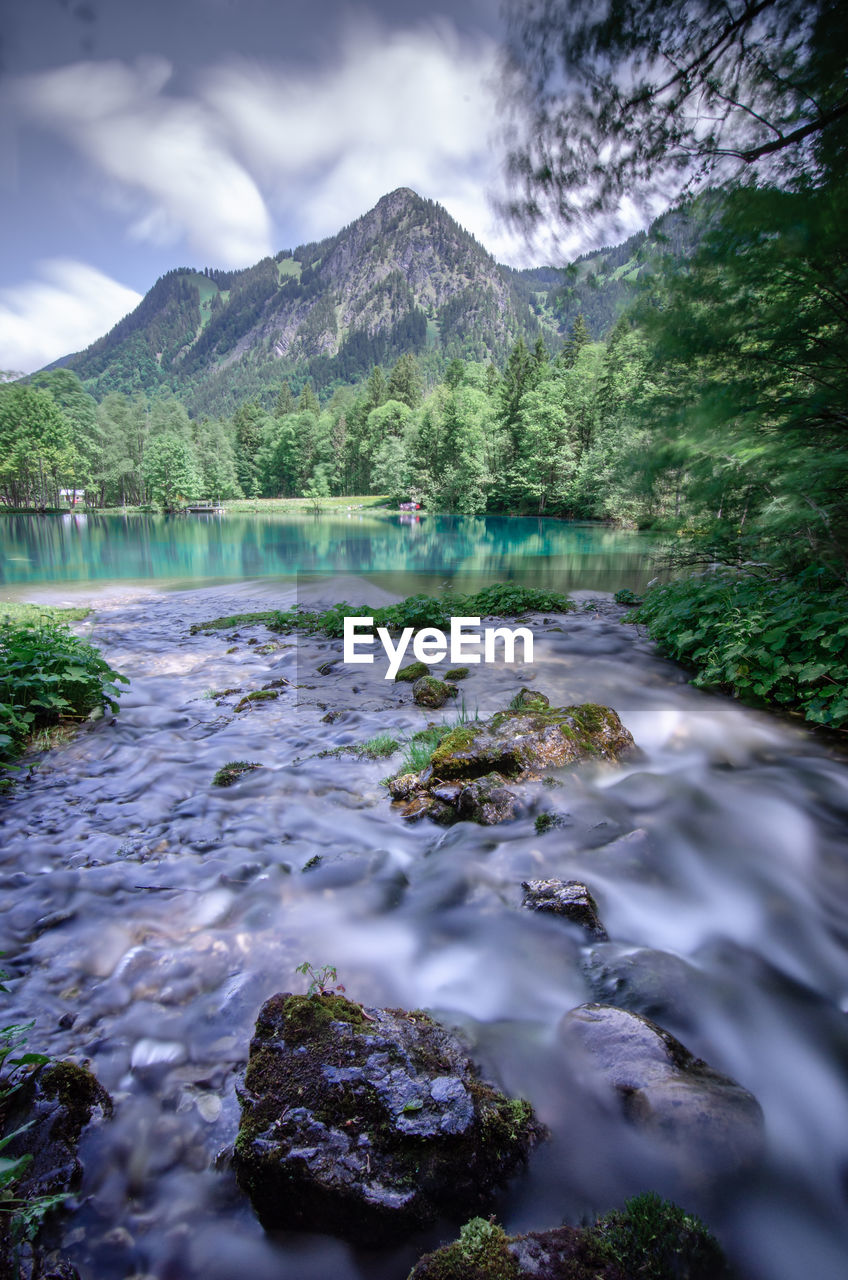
<point>767,639</point>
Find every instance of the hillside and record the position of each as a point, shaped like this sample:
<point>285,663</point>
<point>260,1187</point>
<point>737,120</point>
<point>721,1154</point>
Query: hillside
<point>405,277</point>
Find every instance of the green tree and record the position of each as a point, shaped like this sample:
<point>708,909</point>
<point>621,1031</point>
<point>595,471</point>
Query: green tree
<point>170,471</point>
<point>37,454</point>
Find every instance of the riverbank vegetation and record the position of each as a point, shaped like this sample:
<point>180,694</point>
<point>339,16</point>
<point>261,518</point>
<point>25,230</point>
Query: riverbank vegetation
<point>48,677</point>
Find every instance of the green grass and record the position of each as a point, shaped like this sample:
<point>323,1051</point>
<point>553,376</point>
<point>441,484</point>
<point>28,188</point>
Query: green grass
<point>420,748</point>
<point>27,615</point>
<point>504,599</point>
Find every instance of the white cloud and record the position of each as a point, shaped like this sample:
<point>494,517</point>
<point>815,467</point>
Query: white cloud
<point>72,305</point>
<point>166,149</point>
<point>416,107</point>
<point>409,108</point>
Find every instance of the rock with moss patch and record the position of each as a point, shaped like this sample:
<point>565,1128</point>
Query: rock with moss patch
<point>414,671</point>
<point>257,696</point>
<point>704,1120</point>
<point>529,698</point>
<point>515,745</point>
<point>521,743</point>
<point>488,801</point>
<point>650,1238</point>
<point>52,1107</point>
<point>458,673</point>
<point>430,692</point>
<point>567,898</point>
<point>368,1123</point>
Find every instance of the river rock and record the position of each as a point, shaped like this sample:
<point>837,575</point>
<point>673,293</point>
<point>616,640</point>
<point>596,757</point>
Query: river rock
<point>430,692</point>
<point>413,671</point>
<point>53,1105</point>
<point>367,1123</point>
<point>567,898</point>
<point>521,743</point>
<point>657,984</point>
<point>529,698</point>
<point>515,745</point>
<point>486,800</point>
<point>649,1237</point>
<point>704,1118</point>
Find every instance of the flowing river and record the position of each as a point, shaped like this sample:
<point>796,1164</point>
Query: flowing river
<point>148,915</point>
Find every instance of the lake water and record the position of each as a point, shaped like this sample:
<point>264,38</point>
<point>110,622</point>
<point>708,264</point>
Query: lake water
<point>200,549</point>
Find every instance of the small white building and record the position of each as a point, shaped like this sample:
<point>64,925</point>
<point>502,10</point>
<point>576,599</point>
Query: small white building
<point>73,497</point>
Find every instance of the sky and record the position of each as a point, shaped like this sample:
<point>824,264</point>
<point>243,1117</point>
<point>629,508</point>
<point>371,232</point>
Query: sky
<point>141,135</point>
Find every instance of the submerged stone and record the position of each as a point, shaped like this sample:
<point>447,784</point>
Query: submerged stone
<point>567,898</point>
<point>368,1123</point>
<point>704,1119</point>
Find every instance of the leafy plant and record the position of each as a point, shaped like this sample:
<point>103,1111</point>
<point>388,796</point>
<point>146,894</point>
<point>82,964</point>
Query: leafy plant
<point>625,596</point>
<point>48,674</point>
<point>322,981</point>
<point>760,637</point>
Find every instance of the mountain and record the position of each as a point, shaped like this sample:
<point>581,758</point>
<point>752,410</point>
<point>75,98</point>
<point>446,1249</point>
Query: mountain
<point>403,277</point>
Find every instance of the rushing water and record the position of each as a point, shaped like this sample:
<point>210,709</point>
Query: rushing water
<point>159,911</point>
<point>197,549</point>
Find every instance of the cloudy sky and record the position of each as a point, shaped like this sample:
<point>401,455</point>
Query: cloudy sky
<point>139,135</point>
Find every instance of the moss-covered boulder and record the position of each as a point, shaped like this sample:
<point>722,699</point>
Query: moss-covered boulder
<point>651,1238</point>
<point>368,1123</point>
<point>704,1121</point>
<point>430,692</point>
<point>522,742</point>
<point>567,898</point>
<point>515,745</point>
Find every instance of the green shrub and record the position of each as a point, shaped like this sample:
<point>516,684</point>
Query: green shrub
<point>47,674</point>
<point>764,639</point>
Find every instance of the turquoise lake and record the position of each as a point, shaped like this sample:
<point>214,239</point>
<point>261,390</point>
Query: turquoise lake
<point>195,550</point>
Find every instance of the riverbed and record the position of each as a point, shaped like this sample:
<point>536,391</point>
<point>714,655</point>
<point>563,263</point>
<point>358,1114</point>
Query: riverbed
<point>150,913</point>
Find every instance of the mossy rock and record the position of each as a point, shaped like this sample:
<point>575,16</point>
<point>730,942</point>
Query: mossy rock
<point>52,1107</point>
<point>414,671</point>
<point>458,673</point>
<point>651,1238</point>
<point>517,743</point>
<point>529,698</point>
<point>430,692</point>
<point>368,1123</point>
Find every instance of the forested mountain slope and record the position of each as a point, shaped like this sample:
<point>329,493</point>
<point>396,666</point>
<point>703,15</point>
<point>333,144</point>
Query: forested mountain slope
<point>404,278</point>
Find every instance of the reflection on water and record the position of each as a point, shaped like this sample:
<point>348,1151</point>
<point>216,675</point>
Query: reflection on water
<point>76,548</point>
<point>160,911</point>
